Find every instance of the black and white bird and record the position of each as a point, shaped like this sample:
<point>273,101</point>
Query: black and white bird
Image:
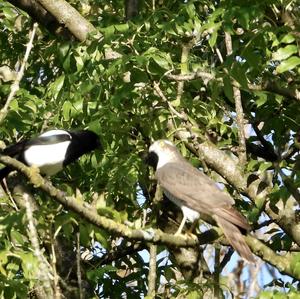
<point>196,194</point>
<point>52,150</point>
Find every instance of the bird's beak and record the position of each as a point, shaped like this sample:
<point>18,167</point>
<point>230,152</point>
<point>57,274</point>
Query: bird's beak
<point>151,159</point>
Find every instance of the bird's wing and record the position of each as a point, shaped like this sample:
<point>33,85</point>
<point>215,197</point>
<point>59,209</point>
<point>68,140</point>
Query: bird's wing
<point>198,192</point>
<point>18,148</point>
<point>14,150</point>
<point>48,140</point>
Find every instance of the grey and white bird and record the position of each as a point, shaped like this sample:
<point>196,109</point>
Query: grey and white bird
<point>52,150</point>
<point>196,194</point>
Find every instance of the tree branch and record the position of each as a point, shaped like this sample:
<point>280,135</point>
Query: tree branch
<point>131,9</point>
<point>69,17</point>
<point>78,265</point>
<point>119,253</point>
<point>151,235</point>
<point>43,274</point>
<point>162,96</point>
<point>268,86</point>
<point>16,85</point>
<point>42,16</point>
<point>251,185</point>
<point>90,214</point>
<point>238,109</point>
<point>282,263</point>
<point>152,271</point>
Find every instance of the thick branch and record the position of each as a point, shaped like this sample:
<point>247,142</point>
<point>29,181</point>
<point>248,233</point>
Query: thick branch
<point>42,16</point>
<point>191,76</point>
<point>150,235</point>
<point>69,17</point>
<point>251,185</point>
<point>282,263</point>
<point>90,214</point>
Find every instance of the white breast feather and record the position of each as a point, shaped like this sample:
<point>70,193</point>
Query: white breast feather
<point>190,214</point>
<point>163,159</point>
<point>49,158</point>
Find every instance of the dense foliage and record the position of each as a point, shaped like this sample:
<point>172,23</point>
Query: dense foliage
<point>177,70</point>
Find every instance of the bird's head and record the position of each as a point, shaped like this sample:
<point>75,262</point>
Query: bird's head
<point>161,152</point>
<point>89,140</point>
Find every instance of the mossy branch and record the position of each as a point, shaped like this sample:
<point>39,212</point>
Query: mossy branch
<point>154,236</point>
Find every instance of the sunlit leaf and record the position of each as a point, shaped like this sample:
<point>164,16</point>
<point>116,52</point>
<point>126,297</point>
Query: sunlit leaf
<point>288,64</point>
<point>284,53</point>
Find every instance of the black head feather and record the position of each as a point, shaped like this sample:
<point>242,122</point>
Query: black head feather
<point>82,142</point>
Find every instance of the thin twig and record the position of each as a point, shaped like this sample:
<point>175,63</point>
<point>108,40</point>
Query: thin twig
<point>217,273</point>
<point>78,255</point>
<point>16,85</point>
<point>183,68</point>
<point>219,55</point>
<point>57,291</point>
<point>192,76</point>
<point>152,271</point>
<point>254,287</point>
<point>268,86</point>
<point>119,252</point>
<point>43,273</point>
<point>162,96</point>
<point>238,109</point>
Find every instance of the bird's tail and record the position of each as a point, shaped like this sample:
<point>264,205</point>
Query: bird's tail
<point>4,172</point>
<point>235,238</point>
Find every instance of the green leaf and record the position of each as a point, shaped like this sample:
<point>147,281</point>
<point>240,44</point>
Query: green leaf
<point>194,295</point>
<point>287,39</point>
<point>57,85</point>
<point>223,129</point>
<point>284,53</point>
<point>98,273</point>
<point>265,295</point>
<point>238,73</point>
<point>79,63</point>
<point>84,235</point>
<point>288,64</point>
<point>264,166</point>
<point>17,238</point>
<point>122,27</point>
<point>108,31</point>
<point>102,237</point>
<point>175,103</point>
<point>228,90</point>
<point>66,110</point>
<point>262,99</point>
<point>30,265</point>
<point>213,38</point>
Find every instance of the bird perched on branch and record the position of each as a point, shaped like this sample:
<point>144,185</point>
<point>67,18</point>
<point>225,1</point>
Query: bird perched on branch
<point>196,193</point>
<point>52,150</point>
